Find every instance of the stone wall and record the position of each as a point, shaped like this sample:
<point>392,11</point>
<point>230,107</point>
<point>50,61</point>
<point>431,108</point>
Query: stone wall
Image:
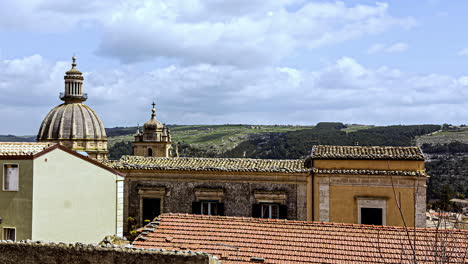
<point>238,196</point>
<point>37,252</point>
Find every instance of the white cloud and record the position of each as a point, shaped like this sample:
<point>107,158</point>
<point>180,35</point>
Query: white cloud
<point>393,48</point>
<point>344,91</point>
<point>463,52</point>
<point>264,33</point>
<point>232,32</point>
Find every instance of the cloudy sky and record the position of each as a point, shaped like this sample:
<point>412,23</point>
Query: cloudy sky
<point>237,61</point>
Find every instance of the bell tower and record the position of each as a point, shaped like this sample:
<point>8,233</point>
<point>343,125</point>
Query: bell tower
<point>155,140</point>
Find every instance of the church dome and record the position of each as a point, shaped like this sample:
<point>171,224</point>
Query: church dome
<point>74,124</point>
<point>72,121</point>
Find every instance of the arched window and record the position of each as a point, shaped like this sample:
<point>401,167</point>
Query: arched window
<point>150,152</point>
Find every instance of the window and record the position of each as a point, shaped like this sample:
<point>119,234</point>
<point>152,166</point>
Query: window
<point>9,234</point>
<point>150,152</point>
<point>151,208</point>
<point>372,210</point>
<point>270,211</point>
<point>151,203</point>
<point>208,208</point>
<point>371,216</point>
<point>10,177</point>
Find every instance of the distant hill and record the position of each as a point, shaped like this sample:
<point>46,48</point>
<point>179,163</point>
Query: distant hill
<point>275,142</point>
<point>446,149</point>
<point>11,138</point>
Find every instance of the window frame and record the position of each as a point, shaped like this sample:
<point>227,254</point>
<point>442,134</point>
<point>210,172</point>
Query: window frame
<point>4,175</point>
<point>270,211</point>
<point>4,232</point>
<point>150,192</point>
<point>372,202</point>
<point>210,205</point>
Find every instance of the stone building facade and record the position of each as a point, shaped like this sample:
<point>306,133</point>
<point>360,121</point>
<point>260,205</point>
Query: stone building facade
<point>154,141</point>
<point>335,184</point>
<point>74,124</point>
<point>216,186</point>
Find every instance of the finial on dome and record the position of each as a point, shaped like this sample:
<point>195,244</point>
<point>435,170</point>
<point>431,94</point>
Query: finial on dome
<point>153,110</point>
<point>138,129</point>
<point>73,61</point>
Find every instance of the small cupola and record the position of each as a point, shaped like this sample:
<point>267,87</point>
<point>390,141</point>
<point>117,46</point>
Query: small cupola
<point>73,85</point>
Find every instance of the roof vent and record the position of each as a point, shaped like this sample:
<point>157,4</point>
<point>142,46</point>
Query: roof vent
<point>257,259</point>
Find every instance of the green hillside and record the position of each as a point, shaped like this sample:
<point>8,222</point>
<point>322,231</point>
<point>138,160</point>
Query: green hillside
<point>198,140</point>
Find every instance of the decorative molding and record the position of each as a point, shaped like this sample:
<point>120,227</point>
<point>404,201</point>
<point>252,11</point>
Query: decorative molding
<point>270,197</point>
<point>209,194</point>
<point>156,192</point>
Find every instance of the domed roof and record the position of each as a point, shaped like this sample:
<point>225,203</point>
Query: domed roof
<point>71,121</point>
<point>153,124</point>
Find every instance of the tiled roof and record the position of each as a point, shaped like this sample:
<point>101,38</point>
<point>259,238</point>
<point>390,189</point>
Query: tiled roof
<point>358,152</point>
<point>241,240</point>
<point>209,164</point>
<point>370,172</point>
<point>22,148</point>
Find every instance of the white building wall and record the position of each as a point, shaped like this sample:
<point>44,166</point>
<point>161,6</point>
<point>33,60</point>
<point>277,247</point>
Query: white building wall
<point>73,200</point>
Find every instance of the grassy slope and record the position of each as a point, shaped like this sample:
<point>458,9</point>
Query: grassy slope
<point>224,137</point>
<point>444,137</point>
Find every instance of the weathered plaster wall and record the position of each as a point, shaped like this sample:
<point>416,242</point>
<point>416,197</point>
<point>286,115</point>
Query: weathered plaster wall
<point>16,206</point>
<point>14,253</point>
<point>73,200</point>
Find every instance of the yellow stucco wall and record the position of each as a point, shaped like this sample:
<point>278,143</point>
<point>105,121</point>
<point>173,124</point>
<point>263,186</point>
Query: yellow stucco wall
<point>370,164</point>
<point>344,209</point>
<point>73,200</point>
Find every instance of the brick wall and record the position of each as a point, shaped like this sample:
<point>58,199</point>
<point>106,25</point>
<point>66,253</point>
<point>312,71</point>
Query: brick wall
<point>37,252</point>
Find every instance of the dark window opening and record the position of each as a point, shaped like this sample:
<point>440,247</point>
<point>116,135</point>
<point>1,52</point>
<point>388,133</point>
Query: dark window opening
<point>208,208</point>
<point>371,216</point>
<point>150,152</point>
<point>9,234</point>
<point>151,208</point>
<point>270,210</point>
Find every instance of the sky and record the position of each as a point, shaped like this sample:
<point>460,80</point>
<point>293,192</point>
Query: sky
<point>237,61</point>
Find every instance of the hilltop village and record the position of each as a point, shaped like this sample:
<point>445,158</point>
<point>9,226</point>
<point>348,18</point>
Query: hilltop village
<point>341,204</point>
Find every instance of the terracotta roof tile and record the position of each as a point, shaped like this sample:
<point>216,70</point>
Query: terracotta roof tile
<point>358,152</point>
<point>22,148</point>
<point>238,240</point>
<point>370,172</point>
<point>209,164</point>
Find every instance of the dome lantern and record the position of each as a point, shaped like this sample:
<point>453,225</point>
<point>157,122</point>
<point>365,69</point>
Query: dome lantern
<point>73,85</point>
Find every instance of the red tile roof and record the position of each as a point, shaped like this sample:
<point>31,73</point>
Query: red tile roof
<point>241,240</point>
